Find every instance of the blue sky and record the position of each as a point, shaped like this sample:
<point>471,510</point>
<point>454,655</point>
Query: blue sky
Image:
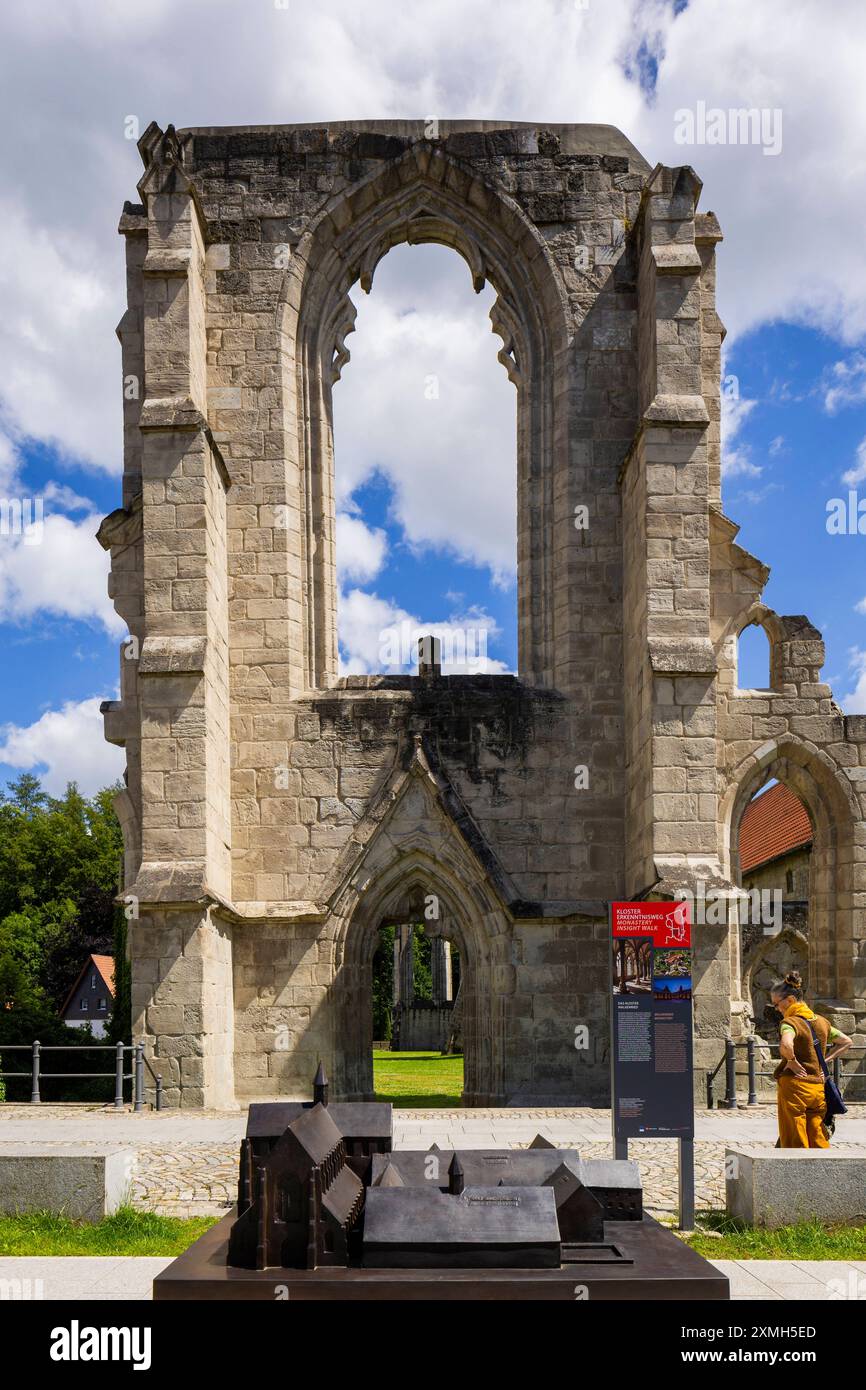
<point>801,451</point>
<point>425,479</point>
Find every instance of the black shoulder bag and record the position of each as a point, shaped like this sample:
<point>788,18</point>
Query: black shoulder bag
<point>832,1094</point>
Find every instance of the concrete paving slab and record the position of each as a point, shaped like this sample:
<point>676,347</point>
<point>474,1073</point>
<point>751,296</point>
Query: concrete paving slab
<point>80,1277</point>
<point>770,1270</point>
<point>826,1269</point>
<point>743,1281</point>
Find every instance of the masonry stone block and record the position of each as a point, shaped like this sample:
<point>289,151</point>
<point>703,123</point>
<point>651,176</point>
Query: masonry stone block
<point>83,1181</point>
<point>782,1187</point>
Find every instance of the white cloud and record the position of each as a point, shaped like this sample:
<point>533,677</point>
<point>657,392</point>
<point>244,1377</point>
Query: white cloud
<point>64,498</point>
<point>378,636</point>
<point>361,549</point>
<point>56,568</point>
<point>59,360</point>
<point>845,383</point>
<point>736,457</point>
<point>857,474</point>
<point>426,405</point>
<point>855,701</point>
<point>755,496</point>
<point>64,745</point>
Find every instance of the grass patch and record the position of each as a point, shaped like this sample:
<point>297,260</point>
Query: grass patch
<point>127,1232</point>
<point>720,1237</point>
<point>422,1079</point>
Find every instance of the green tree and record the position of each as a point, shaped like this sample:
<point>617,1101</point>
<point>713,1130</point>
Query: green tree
<point>59,873</point>
<point>383,985</point>
<point>422,964</point>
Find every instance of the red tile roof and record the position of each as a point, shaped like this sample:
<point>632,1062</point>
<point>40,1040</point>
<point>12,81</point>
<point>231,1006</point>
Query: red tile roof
<point>774,823</point>
<point>105,966</point>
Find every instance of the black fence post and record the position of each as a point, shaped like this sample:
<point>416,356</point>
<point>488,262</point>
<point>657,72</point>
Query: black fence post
<point>710,1096</point>
<point>750,1054</point>
<point>159,1091</point>
<point>118,1076</point>
<point>139,1077</point>
<point>35,1097</point>
<point>730,1101</point>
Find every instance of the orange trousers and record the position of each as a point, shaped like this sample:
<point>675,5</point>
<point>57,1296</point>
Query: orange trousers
<point>801,1108</point>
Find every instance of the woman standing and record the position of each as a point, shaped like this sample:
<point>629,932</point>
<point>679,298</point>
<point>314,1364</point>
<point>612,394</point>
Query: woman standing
<point>799,1076</point>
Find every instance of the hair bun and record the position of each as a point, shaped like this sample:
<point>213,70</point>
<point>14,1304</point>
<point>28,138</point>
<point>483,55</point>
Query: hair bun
<point>794,979</point>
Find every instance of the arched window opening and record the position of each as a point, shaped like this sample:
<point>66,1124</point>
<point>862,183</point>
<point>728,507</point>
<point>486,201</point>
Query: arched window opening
<point>753,659</point>
<point>425,461</point>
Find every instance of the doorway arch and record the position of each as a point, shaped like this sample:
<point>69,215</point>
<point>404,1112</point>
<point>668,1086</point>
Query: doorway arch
<point>813,778</point>
<point>402,893</point>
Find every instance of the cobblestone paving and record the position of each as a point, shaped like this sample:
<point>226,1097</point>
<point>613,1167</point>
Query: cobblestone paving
<point>186,1180</point>
<point>201,1179</point>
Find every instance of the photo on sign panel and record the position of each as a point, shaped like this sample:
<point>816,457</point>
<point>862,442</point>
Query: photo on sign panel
<point>632,965</point>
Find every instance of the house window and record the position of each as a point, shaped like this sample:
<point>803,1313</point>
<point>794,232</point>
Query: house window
<point>93,980</point>
<point>102,1004</point>
<point>84,1006</point>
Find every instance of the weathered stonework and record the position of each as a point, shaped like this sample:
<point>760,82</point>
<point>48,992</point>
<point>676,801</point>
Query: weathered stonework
<point>276,815</point>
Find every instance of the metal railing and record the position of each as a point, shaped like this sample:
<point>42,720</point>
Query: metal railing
<point>728,1060</point>
<point>138,1062</point>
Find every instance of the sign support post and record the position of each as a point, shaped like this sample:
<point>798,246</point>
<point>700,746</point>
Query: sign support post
<point>687,1184</point>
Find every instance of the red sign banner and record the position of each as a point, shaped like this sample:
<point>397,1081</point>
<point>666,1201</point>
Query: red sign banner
<point>667,924</point>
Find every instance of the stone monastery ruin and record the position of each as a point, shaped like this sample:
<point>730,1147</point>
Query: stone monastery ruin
<point>276,815</point>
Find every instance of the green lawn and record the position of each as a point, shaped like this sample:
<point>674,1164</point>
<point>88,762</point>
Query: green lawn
<point>719,1237</point>
<point>128,1232</point>
<point>424,1079</point>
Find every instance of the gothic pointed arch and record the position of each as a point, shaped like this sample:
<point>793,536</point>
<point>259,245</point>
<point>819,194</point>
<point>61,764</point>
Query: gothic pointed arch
<point>426,196</point>
<point>829,800</point>
<point>419,864</point>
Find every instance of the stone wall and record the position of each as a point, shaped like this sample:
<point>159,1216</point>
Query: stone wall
<point>275,815</point>
<point>421,1027</point>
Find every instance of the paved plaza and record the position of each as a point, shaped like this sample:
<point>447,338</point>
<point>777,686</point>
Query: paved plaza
<point>186,1165</point>
<point>186,1162</point>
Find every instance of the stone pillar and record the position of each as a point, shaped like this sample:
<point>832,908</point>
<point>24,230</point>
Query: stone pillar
<point>440,959</point>
<point>670,665</point>
<point>182,1003</point>
<point>404,982</point>
<point>181,954</point>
